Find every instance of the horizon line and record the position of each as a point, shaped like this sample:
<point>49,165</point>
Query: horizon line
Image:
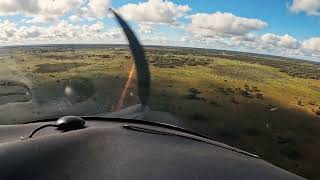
<point>164,46</point>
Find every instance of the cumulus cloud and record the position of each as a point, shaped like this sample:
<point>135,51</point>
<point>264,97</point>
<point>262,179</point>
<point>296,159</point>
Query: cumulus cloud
<point>249,37</point>
<point>217,24</point>
<point>99,7</point>
<point>41,10</point>
<point>157,40</point>
<point>7,30</point>
<point>312,44</point>
<point>83,23</point>
<point>268,43</point>
<point>286,40</point>
<point>283,45</point>
<point>154,11</point>
<point>145,28</point>
<point>50,10</point>
<point>95,9</point>
<point>227,31</point>
<point>311,7</point>
<point>74,18</point>
<point>62,31</point>
<point>12,7</point>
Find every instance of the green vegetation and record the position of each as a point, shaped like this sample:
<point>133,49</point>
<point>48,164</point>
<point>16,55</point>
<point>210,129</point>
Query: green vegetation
<point>268,106</point>
<point>294,68</point>
<point>172,61</point>
<point>57,67</point>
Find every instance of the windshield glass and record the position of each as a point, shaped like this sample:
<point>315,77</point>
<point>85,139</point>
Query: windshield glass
<point>46,81</point>
<point>232,71</point>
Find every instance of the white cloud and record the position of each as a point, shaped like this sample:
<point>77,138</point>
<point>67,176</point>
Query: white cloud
<point>249,37</point>
<point>99,7</point>
<point>312,44</point>
<point>41,10</point>
<point>227,31</point>
<point>311,7</point>
<point>283,45</point>
<point>11,33</point>
<point>154,11</point>
<point>7,30</point>
<point>12,7</point>
<point>217,24</point>
<point>74,18</point>
<point>53,9</point>
<point>286,40</point>
<point>95,9</point>
<point>50,10</point>
<point>145,28</point>
<point>65,31</point>
<point>215,30</point>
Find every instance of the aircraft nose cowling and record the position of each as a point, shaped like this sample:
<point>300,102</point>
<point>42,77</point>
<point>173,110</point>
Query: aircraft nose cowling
<point>106,150</point>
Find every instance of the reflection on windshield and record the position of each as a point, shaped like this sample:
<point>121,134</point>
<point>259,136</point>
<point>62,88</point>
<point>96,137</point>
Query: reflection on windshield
<point>11,91</point>
<point>52,81</point>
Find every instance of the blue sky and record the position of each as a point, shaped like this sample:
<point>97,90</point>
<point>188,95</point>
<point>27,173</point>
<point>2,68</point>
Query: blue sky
<point>281,27</point>
<point>275,12</point>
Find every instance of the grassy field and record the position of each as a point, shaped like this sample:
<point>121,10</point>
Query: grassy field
<point>263,104</point>
<point>251,105</point>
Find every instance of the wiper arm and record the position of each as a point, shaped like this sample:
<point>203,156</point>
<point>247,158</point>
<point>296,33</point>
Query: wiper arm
<point>205,139</point>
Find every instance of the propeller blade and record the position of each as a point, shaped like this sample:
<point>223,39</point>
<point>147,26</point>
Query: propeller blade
<point>142,65</point>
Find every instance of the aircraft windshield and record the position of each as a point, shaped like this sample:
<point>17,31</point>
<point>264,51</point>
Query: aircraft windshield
<point>250,80</point>
<point>46,81</point>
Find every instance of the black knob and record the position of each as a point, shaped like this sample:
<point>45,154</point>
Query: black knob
<point>68,123</point>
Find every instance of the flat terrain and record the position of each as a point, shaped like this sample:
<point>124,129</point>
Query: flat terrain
<point>263,104</point>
